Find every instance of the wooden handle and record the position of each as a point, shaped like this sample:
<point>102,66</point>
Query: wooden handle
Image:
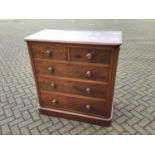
<point>50,69</point>
<point>88,90</point>
<point>54,101</point>
<point>48,53</point>
<point>53,85</point>
<point>88,74</point>
<point>89,56</point>
<point>88,107</point>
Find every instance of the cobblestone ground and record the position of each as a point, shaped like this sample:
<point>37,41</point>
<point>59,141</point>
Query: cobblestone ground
<point>134,99</point>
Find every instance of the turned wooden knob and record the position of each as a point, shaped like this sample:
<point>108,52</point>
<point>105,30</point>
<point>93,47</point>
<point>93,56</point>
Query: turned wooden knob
<point>50,69</point>
<point>48,53</point>
<point>88,107</point>
<point>88,74</point>
<point>88,90</point>
<point>52,84</point>
<point>89,56</point>
<point>54,101</point>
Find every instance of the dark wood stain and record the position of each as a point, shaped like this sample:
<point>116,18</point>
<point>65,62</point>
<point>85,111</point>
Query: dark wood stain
<point>75,81</point>
<point>72,86</point>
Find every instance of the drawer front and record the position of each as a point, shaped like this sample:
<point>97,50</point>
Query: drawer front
<point>72,87</point>
<point>72,70</point>
<point>91,55</point>
<point>69,103</point>
<point>48,51</point>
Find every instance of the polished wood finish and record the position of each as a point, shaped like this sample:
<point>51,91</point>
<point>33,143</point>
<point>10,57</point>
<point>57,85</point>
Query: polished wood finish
<point>76,116</point>
<point>58,68</point>
<point>73,103</point>
<point>49,51</point>
<point>91,55</point>
<point>75,78</point>
<point>57,84</point>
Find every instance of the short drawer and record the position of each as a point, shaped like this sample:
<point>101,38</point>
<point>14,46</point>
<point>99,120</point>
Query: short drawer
<point>48,51</point>
<point>91,55</point>
<point>88,72</point>
<point>70,103</point>
<point>98,90</point>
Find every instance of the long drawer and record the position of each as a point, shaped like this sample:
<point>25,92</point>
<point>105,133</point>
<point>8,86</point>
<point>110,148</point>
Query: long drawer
<point>72,103</point>
<point>89,72</point>
<point>66,85</point>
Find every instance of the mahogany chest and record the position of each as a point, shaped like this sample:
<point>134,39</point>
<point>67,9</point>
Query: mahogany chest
<point>74,72</point>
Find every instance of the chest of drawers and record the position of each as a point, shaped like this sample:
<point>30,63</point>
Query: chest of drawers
<point>74,72</point>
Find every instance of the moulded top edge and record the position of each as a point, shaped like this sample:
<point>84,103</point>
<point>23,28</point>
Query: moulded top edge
<point>77,36</point>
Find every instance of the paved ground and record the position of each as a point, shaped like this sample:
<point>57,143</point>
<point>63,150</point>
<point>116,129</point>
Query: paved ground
<point>134,99</point>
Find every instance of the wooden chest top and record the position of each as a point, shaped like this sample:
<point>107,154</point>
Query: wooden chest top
<point>77,36</point>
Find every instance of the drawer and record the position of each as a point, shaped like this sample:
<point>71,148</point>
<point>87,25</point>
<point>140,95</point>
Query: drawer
<point>72,86</point>
<point>91,55</point>
<point>48,51</point>
<point>70,103</point>
<point>88,72</point>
